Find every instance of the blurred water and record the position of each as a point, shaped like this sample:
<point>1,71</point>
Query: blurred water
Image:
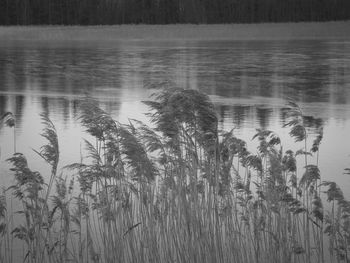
<point>249,82</point>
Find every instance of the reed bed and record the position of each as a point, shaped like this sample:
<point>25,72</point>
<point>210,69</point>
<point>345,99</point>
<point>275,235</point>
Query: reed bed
<point>179,191</point>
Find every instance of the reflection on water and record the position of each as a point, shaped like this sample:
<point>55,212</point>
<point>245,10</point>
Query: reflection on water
<point>248,82</point>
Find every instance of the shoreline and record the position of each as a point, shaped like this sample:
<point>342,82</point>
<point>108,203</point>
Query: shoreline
<point>263,31</point>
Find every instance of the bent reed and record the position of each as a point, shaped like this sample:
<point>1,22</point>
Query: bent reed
<point>179,191</point>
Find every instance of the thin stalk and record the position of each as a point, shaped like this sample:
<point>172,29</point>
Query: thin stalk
<point>14,139</point>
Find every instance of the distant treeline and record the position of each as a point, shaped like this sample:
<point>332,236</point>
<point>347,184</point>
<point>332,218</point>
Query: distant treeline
<point>95,12</point>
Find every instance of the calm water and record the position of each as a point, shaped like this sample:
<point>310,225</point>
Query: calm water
<point>249,82</point>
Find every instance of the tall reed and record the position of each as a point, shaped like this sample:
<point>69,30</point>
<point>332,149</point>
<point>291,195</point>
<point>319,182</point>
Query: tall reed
<point>179,191</point>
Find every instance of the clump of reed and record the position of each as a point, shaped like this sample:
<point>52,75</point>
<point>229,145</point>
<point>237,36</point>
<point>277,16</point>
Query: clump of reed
<point>178,191</point>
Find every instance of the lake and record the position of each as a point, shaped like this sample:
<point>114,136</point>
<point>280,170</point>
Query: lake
<point>249,81</point>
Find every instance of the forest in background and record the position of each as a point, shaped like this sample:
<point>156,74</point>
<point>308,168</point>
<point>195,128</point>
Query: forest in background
<point>108,12</point>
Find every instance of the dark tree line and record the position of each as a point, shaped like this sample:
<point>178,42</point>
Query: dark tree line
<point>92,12</point>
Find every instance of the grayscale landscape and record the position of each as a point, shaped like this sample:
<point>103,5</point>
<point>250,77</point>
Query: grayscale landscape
<point>174,140</point>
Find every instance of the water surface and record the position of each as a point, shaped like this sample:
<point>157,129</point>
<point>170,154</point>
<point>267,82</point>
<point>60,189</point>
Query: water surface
<point>249,82</point>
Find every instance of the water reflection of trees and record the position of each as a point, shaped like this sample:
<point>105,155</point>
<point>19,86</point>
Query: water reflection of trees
<point>238,116</point>
<point>57,75</point>
<point>243,116</point>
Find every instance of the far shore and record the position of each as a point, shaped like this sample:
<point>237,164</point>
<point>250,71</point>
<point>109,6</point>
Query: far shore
<point>264,31</point>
